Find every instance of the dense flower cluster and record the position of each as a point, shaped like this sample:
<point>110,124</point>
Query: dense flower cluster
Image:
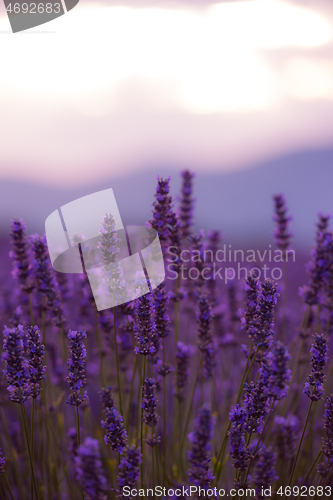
<point>238,449</point>
<point>328,426</point>
<point>46,281</point>
<point>76,367</point>
<point>314,387</point>
<point>162,213</point>
<point>149,402</point>
<point>275,369</point>
<point>17,367</point>
<point>183,355</point>
<point>186,205</point>
<point>89,471</point>
<point>199,456</point>
<point>21,256</point>
<point>129,469</point>
<point>109,253</point>
<point>144,325</point>
<point>264,474</point>
<point>35,351</point>
<point>206,346</point>
<point>116,435</point>
<point>261,329</point>
<point>282,234</point>
<point>106,397</point>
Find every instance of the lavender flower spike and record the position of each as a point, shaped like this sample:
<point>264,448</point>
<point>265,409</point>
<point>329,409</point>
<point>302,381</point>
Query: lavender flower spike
<point>251,287</point>
<point>46,280</point>
<point>129,469</point>
<point>17,367</point>
<point>238,448</point>
<point>199,457</point>
<point>186,203</point>
<point>116,435</point>
<point>262,326</point>
<point>36,352</point>
<point>76,367</point>
<point>21,256</point>
<point>144,326</point>
<point>183,355</point>
<point>89,470</point>
<point>282,234</point>
<point>162,210</point>
<point>264,474</point>
<point>204,319</point>
<point>277,372</point>
<point>108,245</point>
<point>149,403</point>
<point>328,426</point>
<point>317,376</point>
<point>106,397</point>
<point>2,463</point>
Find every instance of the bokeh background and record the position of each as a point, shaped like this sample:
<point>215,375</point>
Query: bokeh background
<point>114,93</point>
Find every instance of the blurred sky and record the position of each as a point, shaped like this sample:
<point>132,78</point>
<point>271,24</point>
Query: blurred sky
<point>205,85</point>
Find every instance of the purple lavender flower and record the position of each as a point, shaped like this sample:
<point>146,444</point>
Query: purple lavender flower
<point>89,471</point>
<point>186,203</point>
<point>76,367</point>
<point>174,230</point>
<point>129,469</point>
<point>149,403</point>
<point>144,326</point>
<point>256,404</point>
<point>319,264</point>
<point>238,449</point>
<point>282,234</point>
<point>36,351</point>
<point>261,330</point>
<point>162,213</point>
<point>106,397</point>
<point>198,258</point>
<point>183,355</point>
<point>204,319</point>
<point>17,367</point>
<point>108,245</point>
<point>328,426</point>
<point>317,376</point>
<point>264,474</point>
<point>21,256</point>
<point>251,287</point>
<point>116,435</point>
<point>286,436</point>
<point>199,457</point>
<point>275,364</point>
<point>2,463</point>
<point>46,280</point>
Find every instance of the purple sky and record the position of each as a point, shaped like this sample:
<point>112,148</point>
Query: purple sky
<point>118,89</point>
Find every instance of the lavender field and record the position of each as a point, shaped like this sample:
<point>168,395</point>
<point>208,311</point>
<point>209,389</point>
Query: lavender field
<point>219,380</point>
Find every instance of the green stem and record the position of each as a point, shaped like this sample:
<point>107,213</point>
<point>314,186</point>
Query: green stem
<point>141,431</point>
<point>9,488</point>
<point>78,425</point>
<point>117,360</point>
<point>300,444</point>
<point>25,425</point>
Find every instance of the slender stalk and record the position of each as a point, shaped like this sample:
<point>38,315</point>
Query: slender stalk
<point>141,431</point>
<point>131,391</point>
<point>99,348</point>
<point>9,488</point>
<point>78,425</point>
<point>25,426</point>
<point>117,360</point>
<point>300,444</point>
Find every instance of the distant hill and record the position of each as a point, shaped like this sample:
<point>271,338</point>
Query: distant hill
<point>239,203</point>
